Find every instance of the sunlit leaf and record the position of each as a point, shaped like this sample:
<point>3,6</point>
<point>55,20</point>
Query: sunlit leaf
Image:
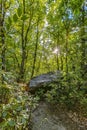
<point>11,123</point>
<point>7,26</point>
<point>24,17</point>
<point>9,20</point>
<point>23,120</point>
<point>4,114</point>
<point>15,17</point>
<point>19,11</point>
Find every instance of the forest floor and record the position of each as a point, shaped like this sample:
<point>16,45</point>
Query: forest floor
<point>55,117</point>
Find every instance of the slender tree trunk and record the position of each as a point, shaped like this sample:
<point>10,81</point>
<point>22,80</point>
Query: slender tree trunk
<point>39,63</point>
<point>23,56</point>
<point>58,53</point>
<point>2,35</point>
<point>61,59</point>
<point>66,59</point>
<point>22,70</point>
<point>83,59</point>
<point>24,37</point>
<point>35,52</point>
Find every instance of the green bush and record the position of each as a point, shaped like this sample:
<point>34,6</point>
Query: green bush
<point>15,107</point>
<point>66,91</point>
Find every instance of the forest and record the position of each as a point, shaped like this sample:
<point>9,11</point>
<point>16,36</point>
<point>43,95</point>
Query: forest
<point>38,37</point>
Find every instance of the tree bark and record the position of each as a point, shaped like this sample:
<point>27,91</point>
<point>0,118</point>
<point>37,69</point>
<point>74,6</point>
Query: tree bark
<point>83,58</point>
<point>57,60</point>
<point>24,37</point>
<point>66,51</point>
<point>35,52</point>
<point>2,35</point>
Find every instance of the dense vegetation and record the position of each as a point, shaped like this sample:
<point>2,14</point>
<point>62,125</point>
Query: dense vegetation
<point>39,36</point>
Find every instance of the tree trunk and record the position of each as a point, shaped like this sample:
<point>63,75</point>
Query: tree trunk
<point>58,52</point>
<point>2,35</point>
<point>61,59</point>
<point>83,59</point>
<point>23,56</point>
<point>35,52</point>
<point>66,59</point>
<point>24,37</point>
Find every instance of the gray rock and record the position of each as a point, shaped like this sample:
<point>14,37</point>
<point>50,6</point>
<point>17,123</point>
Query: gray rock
<point>50,117</point>
<point>40,80</point>
<point>43,120</point>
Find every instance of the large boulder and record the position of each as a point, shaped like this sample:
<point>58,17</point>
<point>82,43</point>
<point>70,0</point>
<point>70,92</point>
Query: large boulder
<point>41,80</point>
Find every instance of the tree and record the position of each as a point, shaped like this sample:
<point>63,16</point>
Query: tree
<point>3,9</point>
<point>83,37</point>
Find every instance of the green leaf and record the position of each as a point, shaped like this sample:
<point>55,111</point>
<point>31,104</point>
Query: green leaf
<point>4,114</point>
<point>7,26</point>
<point>24,17</point>
<point>19,108</point>
<point>11,123</point>
<point>19,11</point>
<point>23,120</point>
<point>9,20</point>
<point>3,125</point>
<point>15,17</point>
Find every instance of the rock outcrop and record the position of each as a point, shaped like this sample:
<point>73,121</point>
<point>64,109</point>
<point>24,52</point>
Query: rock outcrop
<point>41,80</point>
<point>54,117</point>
